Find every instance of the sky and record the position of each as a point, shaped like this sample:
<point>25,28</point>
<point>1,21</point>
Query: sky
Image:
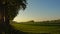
<point>39,10</point>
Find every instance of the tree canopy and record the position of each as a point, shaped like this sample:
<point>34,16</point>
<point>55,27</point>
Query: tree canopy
<point>9,8</point>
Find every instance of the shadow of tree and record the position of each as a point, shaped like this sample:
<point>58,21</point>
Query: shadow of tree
<point>8,29</point>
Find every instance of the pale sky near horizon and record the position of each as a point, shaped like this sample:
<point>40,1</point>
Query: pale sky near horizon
<point>40,10</point>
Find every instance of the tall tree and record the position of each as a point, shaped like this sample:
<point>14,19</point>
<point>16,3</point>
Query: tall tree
<point>9,9</point>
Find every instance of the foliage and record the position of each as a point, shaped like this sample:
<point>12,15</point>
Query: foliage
<point>10,7</point>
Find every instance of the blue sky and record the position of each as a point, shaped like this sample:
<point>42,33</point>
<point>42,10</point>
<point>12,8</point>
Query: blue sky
<point>40,10</point>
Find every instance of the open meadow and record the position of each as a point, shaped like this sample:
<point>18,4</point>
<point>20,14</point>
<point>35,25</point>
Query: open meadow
<point>38,28</point>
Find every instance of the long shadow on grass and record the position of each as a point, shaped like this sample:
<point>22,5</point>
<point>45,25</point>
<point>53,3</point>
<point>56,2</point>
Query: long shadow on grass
<point>9,29</point>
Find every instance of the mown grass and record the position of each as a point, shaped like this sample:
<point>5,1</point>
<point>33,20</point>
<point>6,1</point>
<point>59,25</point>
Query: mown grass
<point>37,28</point>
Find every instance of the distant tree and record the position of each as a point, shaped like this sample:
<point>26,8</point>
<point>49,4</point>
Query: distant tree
<point>9,9</point>
<point>31,21</point>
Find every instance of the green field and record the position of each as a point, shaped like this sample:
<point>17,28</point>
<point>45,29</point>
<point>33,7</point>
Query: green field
<point>37,29</point>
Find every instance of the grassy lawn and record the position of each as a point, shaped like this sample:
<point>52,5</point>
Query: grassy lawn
<point>37,29</point>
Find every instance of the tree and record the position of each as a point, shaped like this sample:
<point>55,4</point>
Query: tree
<point>9,9</point>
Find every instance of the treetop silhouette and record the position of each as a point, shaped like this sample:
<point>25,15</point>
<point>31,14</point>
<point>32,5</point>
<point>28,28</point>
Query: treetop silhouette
<point>9,8</point>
